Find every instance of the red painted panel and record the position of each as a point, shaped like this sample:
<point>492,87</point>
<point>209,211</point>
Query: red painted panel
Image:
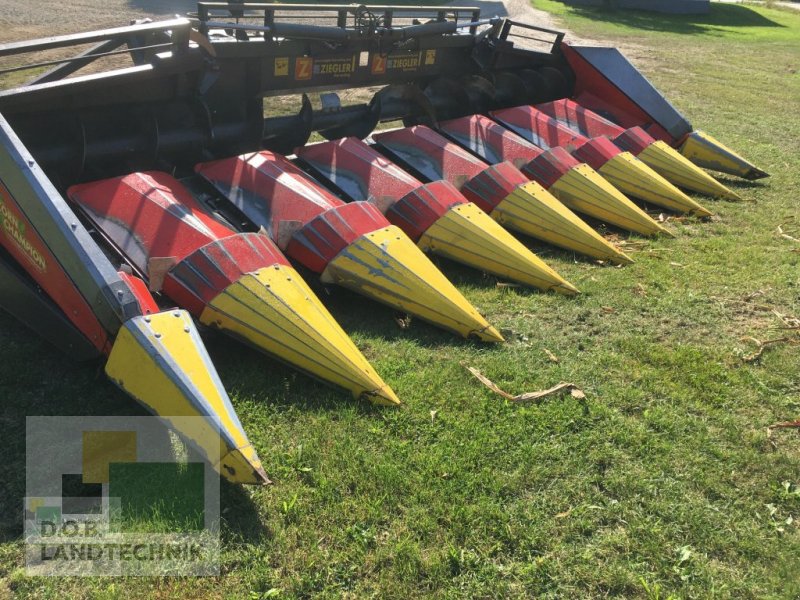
<point>489,140</point>
<point>431,154</point>
<point>538,128</point>
<point>550,166</point>
<point>269,189</point>
<point>148,215</point>
<point>23,242</point>
<point>201,276</point>
<point>597,152</point>
<point>594,91</point>
<point>362,173</point>
<point>274,193</point>
<point>323,237</point>
<point>147,304</point>
<point>421,208</point>
<point>634,140</point>
<point>358,170</point>
<point>152,215</point>
<point>492,185</point>
<point>579,118</point>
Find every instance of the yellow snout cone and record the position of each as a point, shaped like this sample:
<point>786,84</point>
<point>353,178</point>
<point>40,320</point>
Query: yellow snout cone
<point>704,151</point>
<point>585,191</point>
<point>532,210</point>
<point>679,170</point>
<point>160,360</point>
<point>274,310</point>
<point>386,266</point>
<point>468,235</point>
<point>634,178</point>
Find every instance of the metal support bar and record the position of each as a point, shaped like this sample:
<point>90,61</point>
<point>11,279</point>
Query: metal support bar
<point>179,27</point>
<point>77,62</point>
<point>86,60</point>
<point>337,34</point>
<point>506,32</point>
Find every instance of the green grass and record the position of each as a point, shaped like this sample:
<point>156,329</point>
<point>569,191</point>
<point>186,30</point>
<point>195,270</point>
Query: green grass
<point>662,484</point>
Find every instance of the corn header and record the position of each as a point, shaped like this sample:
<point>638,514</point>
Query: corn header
<point>144,202</point>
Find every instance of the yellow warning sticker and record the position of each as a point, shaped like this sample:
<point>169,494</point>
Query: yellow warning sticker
<point>430,57</point>
<point>282,66</point>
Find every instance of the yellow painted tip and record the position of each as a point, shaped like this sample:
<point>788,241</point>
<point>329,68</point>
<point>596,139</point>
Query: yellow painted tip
<point>704,151</point>
<point>534,211</point>
<point>624,259</point>
<point>240,461</point>
<point>274,310</point>
<point>160,360</point>
<point>383,397</point>
<point>490,334</point>
<point>666,232</point>
<point>679,170</point>
<point>584,190</point>
<point>634,178</point>
<point>567,289</point>
<point>468,235</point>
<point>386,266</point>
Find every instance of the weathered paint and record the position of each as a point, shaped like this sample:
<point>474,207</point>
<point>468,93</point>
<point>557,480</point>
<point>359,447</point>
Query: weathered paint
<point>707,152</point>
<point>352,245</point>
<point>239,283</point>
<point>436,216</point>
<point>274,309</point>
<point>575,184</point>
<point>413,285</point>
<point>622,169</point>
<point>580,119</point>
<point>159,360</point>
<point>500,190</point>
<point>468,235</point>
<point>587,192</point>
<point>606,83</point>
<point>25,244</point>
<point>659,156</point>
<point>677,169</point>
<point>634,178</point>
<point>47,240</point>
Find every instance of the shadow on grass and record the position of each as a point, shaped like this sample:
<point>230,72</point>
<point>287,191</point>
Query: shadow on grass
<point>719,16</point>
<point>37,380</point>
<point>359,315</point>
<point>743,184</point>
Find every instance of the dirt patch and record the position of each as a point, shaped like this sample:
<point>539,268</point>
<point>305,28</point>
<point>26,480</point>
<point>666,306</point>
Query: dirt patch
<point>23,20</point>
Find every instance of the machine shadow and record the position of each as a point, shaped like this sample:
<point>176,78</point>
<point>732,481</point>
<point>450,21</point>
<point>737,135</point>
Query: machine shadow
<point>67,389</point>
<point>358,315</point>
<point>719,15</point>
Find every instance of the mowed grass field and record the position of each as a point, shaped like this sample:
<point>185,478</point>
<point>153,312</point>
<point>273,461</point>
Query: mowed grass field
<point>664,482</point>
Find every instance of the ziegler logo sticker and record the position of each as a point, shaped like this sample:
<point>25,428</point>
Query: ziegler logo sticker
<point>335,67</point>
<point>378,66</point>
<point>14,227</point>
<point>303,67</point>
<point>307,67</point>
